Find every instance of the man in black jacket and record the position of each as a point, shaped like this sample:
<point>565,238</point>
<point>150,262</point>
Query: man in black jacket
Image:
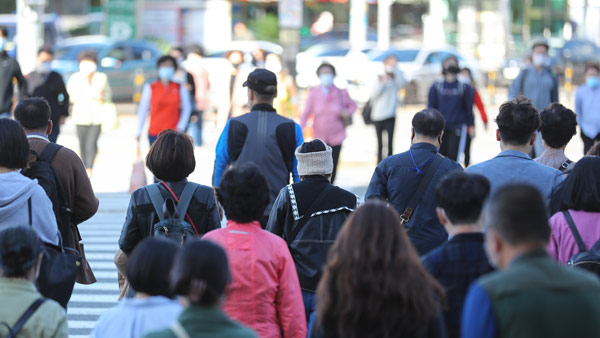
<point>9,70</point>
<point>43,82</point>
<point>308,215</point>
<point>397,178</point>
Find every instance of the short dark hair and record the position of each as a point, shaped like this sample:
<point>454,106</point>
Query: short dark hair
<point>462,196</point>
<point>14,146</point>
<point>204,261</point>
<point>88,55</point>
<point>326,65</point>
<point>178,49</point>
<point>559,124</point>
<point>517,121</point>
<point>33,113</point>
<point>428,122</point>
<point>45,49</point>
<point>312,146</point>
<point>166,58</point>
<point>264,97</point>
<point>244,193</point>
<point>581,188</point>
<point>518,213</point>
<point>195,49</point>
<point>592,65</point>
<point>4,31</point>
<point>20,247</point>
<point>540,43</point>
<point>150,264</point>
<point>171,157</point>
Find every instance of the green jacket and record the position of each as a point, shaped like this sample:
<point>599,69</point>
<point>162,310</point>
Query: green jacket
<point>536,297</point>
<point>200,322</point>
<point>16,295</point>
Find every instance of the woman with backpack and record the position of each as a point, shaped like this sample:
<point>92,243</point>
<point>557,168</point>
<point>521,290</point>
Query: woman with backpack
<point>575,203</point>
<point>20,259</point>
<point>171,160</point>
<point>22,200</point>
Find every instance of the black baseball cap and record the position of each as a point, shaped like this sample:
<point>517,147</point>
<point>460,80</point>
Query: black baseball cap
<point>262,81</point>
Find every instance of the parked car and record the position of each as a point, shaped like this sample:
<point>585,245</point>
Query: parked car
<point>128,63</point>
<point>421,67</point>
<point>339,54</point>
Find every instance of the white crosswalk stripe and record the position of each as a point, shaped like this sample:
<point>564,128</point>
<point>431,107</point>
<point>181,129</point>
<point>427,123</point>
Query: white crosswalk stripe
<point>100,237</point>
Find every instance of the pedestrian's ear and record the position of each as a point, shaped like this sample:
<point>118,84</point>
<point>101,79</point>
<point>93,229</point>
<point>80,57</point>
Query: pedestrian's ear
<point>532,141</point>
<point>498,135</point>
<point>412,133</point>
<point>50,127</point>
<point>441,214</point>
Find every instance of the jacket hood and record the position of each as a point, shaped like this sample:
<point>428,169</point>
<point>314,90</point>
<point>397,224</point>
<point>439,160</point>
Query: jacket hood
<point>16,190</point>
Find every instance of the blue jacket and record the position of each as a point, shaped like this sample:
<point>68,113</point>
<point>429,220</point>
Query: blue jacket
<point>264,138</point>
<point>395,179</point>
<point>455,101</point>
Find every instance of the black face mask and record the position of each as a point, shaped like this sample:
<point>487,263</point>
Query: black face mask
<point>452,70</point>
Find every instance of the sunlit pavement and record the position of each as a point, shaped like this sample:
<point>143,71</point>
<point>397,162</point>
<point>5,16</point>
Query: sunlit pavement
<point>118,153</point>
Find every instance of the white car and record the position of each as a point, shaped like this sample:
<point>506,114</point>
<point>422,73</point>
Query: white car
<point>338,54</point>
<point>420,66</point>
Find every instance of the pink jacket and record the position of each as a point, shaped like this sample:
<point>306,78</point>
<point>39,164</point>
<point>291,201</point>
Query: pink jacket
<point>265,291</point>
<point>327,110</point>
<point>562,245</point>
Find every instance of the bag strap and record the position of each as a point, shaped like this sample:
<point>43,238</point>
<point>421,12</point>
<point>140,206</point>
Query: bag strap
<point>574,231</point>
<point>49,152</point>
<point>178,330</point>
<point>29,213</point>
<point>523,77</point>
<point>416,197</point>
<point>157,200</point>
<point>313,207</point>
<point>177,200</point>
<point>25,317</point>
<point>185,199</point>
<point>565,165</point>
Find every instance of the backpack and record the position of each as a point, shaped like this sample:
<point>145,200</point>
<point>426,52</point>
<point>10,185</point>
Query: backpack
<point>585,259</point>
<point>42,171</point>
<point>171,216</point>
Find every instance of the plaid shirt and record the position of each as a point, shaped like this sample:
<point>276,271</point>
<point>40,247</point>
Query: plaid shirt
<point>456,264</point>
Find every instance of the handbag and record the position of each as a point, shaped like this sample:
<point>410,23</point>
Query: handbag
<point>58,270</point>
<point>109,118</point>
<point>138,173</point>
<point>346,119</point>
<point>366,112</point>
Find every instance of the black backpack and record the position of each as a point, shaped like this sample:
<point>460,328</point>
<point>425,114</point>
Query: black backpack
<point>171,215</point>
<point>585,259</point>
<point>42,171</point>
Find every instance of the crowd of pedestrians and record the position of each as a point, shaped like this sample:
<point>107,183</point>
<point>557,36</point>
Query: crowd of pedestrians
<point>503,248</point>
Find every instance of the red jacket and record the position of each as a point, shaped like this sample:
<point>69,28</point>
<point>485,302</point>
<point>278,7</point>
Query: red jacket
<point>265,291</point>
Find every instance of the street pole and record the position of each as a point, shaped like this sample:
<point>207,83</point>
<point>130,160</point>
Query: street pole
<point>358,23</point>
<point>290,22</point>
<point>383,24</point>
<point>30,33</point>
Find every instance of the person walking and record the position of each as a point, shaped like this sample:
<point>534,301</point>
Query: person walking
<point>265,292</point>
<point>518,122</point>
<point>576,200</point>
<point>331,109</point>
<point>587,107</point>
<point>153,306</point>
<point>397,179</point>
<point>559,124</point>
<point>196,66</point>
<point>21,252</point>
<point>374,285</point>
<point>286,102</point>
<point>538,83</point>
<point>167,101</point>
<point>34,115</point>
<point>466,76</point>
<point>262,137</point>
<point>454,99</point>
<point>46,83</point>
<point>531,295</point>
<point>384,103</point>
<point>89,91</point>
<point>22,200</point>
<point>9,71</point>
<point>200,276</point>
<point>308,215</point>
<point>460,261</point>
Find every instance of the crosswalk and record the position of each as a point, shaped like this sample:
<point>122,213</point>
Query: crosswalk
<point>100,236</point>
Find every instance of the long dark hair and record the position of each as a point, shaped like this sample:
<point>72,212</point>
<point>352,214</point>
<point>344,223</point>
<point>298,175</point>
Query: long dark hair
<point>581,189</point>
<point>374,284</point>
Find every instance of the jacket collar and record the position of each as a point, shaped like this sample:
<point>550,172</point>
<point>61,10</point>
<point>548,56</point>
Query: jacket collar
<point>17,284</point>
<point>245,227</point>
<point>263,107</point>
<point>195,315</point>
<point>468,237</point>
<point>424,146</point>
<point>530,256</point>
<point>514,153</point>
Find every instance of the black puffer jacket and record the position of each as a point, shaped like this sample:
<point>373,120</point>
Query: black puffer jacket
<point>310,245</point>
<point>141,215</point>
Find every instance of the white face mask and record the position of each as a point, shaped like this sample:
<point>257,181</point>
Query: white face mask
<point>274,66</point>
<point>326,79</point>
<point>390,69</point>
<point>87,67</point>
<point>463,79</point>
<point>45,67</point>
<point>540,60</point>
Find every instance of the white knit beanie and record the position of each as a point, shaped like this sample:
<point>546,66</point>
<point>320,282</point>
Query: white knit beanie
<point>316,163</point>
